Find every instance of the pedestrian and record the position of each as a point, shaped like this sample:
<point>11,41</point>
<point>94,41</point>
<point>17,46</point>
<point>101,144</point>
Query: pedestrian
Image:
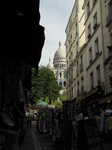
<point>29,119</point>
<point>78,116</point>
<point>108,127</point>
<point>96,116</point>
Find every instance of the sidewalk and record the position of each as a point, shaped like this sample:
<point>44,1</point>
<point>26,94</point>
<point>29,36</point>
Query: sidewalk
<point>35,141</point>
<point>30,141</point>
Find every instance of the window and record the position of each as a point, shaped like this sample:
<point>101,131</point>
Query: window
<point>90,55</point>
<point>71,57</point>
<point>94,2</point>
<point>67,48</point>
<point>64,84</point>
<point>76,29</point>
<point>98,74</point>
<point>64,75</point>
<point>72,92</point>
<point>95,21</point>
<point>82,85</point>
<point>71,41</point>
<point>60,83</point>
<point>88,8</point>
<point>77,68</point>
<point>77,88</point>
<point>76,48</point>
<point>81,64</point>
<point>96,47</point>
<point>69,61</point>
<point>69,44</point>
<point>89,31</point>
<point>91,80</point>
<point>71,77</point>
<point>76,9</point>
<point>60,75</point>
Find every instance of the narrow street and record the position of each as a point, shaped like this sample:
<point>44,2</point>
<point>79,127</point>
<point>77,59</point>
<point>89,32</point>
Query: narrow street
<point>36,141</point>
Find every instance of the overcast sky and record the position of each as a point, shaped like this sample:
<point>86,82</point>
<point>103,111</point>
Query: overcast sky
<point>54,17</point>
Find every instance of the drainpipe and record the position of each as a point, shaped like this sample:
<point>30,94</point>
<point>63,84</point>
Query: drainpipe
<point>103,44</point>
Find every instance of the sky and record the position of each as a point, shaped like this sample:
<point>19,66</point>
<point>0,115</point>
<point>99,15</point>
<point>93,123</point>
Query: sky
<point>54,17</point>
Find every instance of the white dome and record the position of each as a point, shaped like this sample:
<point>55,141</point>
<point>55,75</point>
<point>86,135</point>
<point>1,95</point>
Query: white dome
<point>50,65</point>
<point>60,53</point>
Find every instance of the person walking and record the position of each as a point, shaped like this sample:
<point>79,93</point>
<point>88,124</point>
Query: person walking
<point>108,127</point>
<point>29,119</point>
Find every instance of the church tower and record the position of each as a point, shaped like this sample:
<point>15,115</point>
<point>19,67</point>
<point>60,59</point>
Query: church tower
<point>59,67</point>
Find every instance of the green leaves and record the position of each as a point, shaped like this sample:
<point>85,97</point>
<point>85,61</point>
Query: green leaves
<point>44,84</point>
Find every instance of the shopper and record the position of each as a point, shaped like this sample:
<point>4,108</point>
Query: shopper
<point>29,119</point>
<point>108,127</point>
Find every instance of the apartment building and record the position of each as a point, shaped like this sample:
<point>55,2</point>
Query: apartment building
<point>88,52</point>
<point>75,51</point>
<point>107,47</point>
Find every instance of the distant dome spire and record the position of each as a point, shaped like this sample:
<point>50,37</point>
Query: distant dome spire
<point>60,44</point>
<point>50,65</point>
<point>49,60</point>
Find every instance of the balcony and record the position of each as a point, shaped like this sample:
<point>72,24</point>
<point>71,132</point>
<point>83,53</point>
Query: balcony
<point>109,19</point>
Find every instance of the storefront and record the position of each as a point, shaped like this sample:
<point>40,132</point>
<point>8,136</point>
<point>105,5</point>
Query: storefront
<point>90,99</point>
<point>106,101</point>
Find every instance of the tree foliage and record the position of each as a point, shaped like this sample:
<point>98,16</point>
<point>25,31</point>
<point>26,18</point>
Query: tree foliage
<point>44,84</point>
<point>63,97</point>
